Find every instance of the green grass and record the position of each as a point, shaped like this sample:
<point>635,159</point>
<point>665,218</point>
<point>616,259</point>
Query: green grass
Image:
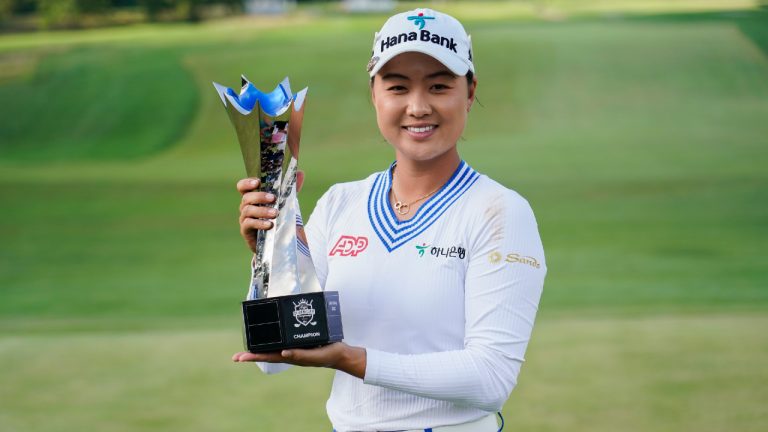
<point>96,102</point>
<point>638,138</point>
<point>679,373</point>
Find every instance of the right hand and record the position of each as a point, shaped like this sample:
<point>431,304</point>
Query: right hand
<point>255,210</point>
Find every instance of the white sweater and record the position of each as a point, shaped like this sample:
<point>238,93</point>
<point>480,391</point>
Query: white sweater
<point>443,303</point>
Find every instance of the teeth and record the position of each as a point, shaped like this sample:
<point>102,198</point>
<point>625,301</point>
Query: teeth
<point>420,129</point>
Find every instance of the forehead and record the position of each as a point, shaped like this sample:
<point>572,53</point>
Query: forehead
<point>413,65</point>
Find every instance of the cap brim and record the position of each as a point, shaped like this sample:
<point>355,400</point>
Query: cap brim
<point>451,61</point>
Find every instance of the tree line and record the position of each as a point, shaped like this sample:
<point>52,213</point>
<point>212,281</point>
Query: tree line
<point>78,13</point>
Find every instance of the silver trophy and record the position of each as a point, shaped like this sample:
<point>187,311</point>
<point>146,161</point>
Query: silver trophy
<point>285,306</point>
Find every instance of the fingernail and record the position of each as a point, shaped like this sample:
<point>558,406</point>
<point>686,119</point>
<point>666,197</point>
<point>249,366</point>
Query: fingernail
<point>254,182</point>
<point>272,212</point>
<point>270,196</point>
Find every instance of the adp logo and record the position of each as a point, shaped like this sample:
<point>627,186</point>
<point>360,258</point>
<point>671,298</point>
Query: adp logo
<point>349,246</point>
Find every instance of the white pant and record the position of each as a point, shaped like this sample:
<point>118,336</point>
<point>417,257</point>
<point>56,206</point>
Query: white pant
<point>484,424</point>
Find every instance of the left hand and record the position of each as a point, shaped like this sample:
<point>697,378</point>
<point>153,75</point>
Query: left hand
<point>339,355</point>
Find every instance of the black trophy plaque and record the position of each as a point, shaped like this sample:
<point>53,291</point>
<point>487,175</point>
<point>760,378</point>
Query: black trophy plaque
<point>292,321</point>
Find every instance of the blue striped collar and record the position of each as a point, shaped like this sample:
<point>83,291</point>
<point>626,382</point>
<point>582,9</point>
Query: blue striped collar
<point>393,232</point>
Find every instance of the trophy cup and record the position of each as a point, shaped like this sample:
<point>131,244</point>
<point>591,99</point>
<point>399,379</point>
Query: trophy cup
<point>285,306</point>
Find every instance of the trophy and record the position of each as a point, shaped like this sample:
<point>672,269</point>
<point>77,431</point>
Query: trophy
<point>285,306</point>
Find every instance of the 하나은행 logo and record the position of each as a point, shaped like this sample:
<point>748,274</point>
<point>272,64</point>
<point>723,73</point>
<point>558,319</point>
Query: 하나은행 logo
<point>349,246</point>
<point>420,19</point>
<point>439,251</point>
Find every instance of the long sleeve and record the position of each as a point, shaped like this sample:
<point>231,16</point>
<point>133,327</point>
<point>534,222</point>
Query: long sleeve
<point>503,285</point>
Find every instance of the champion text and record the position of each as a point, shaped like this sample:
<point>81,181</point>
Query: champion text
<point>306,335</point>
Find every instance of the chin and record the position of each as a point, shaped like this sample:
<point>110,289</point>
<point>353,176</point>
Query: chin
<point>420,156</point>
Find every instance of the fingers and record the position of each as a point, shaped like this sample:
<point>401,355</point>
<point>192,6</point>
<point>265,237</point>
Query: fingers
<point>326,356</point>
<point>248,185</point>
<point>248,188</point>
<point>257,212</point>
<point>284,356</point>
<point>314,357</point>
<point>254,217</point>
<point>273,357</point>
<point>256,198</point>
<point>247,226</point>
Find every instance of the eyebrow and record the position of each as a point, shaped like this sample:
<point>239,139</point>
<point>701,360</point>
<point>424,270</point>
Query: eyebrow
<point>441,73</point>
<point>393,76</point>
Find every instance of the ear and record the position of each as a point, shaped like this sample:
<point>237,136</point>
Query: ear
<point>373,93</point>
<point>472,90</point>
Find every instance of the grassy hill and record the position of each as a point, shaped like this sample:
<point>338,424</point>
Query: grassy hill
<point>639,139</point>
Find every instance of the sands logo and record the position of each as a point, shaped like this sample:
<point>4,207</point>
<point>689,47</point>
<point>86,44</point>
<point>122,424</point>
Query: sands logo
<point>349,246</point>
<point>496,257</point>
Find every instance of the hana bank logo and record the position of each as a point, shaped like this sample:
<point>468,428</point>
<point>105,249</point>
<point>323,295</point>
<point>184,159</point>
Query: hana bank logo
<point>441,251</point>
<point>420,20</point>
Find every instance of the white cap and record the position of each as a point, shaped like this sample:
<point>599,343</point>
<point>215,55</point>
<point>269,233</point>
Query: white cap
<point>426,31</point>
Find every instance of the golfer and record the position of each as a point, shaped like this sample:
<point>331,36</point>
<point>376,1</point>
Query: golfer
<point>439,268</point>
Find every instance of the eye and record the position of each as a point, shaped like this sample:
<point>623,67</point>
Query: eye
<point>396,88</point>
<point>440,87</point>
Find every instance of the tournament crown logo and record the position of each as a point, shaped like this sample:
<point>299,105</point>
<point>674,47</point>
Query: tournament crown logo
<point>304,313</point>
<point>420,19</point>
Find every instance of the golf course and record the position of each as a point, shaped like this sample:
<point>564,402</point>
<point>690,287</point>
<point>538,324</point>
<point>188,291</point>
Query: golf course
<point>637,130</point>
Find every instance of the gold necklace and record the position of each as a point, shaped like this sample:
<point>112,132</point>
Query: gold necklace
<point>404,208</point>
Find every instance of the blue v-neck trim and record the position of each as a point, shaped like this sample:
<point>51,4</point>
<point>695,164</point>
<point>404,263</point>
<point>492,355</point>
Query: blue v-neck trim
<point>392,232</point>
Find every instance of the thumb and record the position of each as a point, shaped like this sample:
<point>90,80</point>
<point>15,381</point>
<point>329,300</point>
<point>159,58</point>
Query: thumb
<point>299,180</point>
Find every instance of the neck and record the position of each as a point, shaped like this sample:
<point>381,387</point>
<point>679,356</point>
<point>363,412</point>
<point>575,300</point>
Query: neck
<point>414,179</point>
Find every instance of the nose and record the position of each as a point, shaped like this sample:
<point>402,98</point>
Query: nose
<point>418,105</point>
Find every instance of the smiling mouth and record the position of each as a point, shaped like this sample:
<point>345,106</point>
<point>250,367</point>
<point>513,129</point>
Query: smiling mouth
<point>420,129</point>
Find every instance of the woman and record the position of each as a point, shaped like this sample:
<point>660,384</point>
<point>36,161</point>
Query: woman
<point>442,289</point>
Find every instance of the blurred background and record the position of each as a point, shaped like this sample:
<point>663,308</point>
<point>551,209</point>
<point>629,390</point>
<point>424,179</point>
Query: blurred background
<point>637,129</point>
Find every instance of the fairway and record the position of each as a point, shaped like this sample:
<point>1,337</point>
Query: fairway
<point>639,139</point>
<point>581,375</point>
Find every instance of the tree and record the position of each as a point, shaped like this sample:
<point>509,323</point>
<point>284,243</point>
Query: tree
<point>189,9</point>
<point>153,7</point>
<point>57,13</point>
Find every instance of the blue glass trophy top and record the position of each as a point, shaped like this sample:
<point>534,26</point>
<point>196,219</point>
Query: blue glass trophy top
<point>272,104</point>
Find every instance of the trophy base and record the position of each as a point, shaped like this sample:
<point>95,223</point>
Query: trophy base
<point>299,320</point>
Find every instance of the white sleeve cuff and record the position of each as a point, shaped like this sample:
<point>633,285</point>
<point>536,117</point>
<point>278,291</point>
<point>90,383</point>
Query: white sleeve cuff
<point>373,361</point>
<point>273,368</point>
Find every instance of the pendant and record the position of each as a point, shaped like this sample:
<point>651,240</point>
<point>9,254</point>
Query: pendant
<point>402,208</point>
